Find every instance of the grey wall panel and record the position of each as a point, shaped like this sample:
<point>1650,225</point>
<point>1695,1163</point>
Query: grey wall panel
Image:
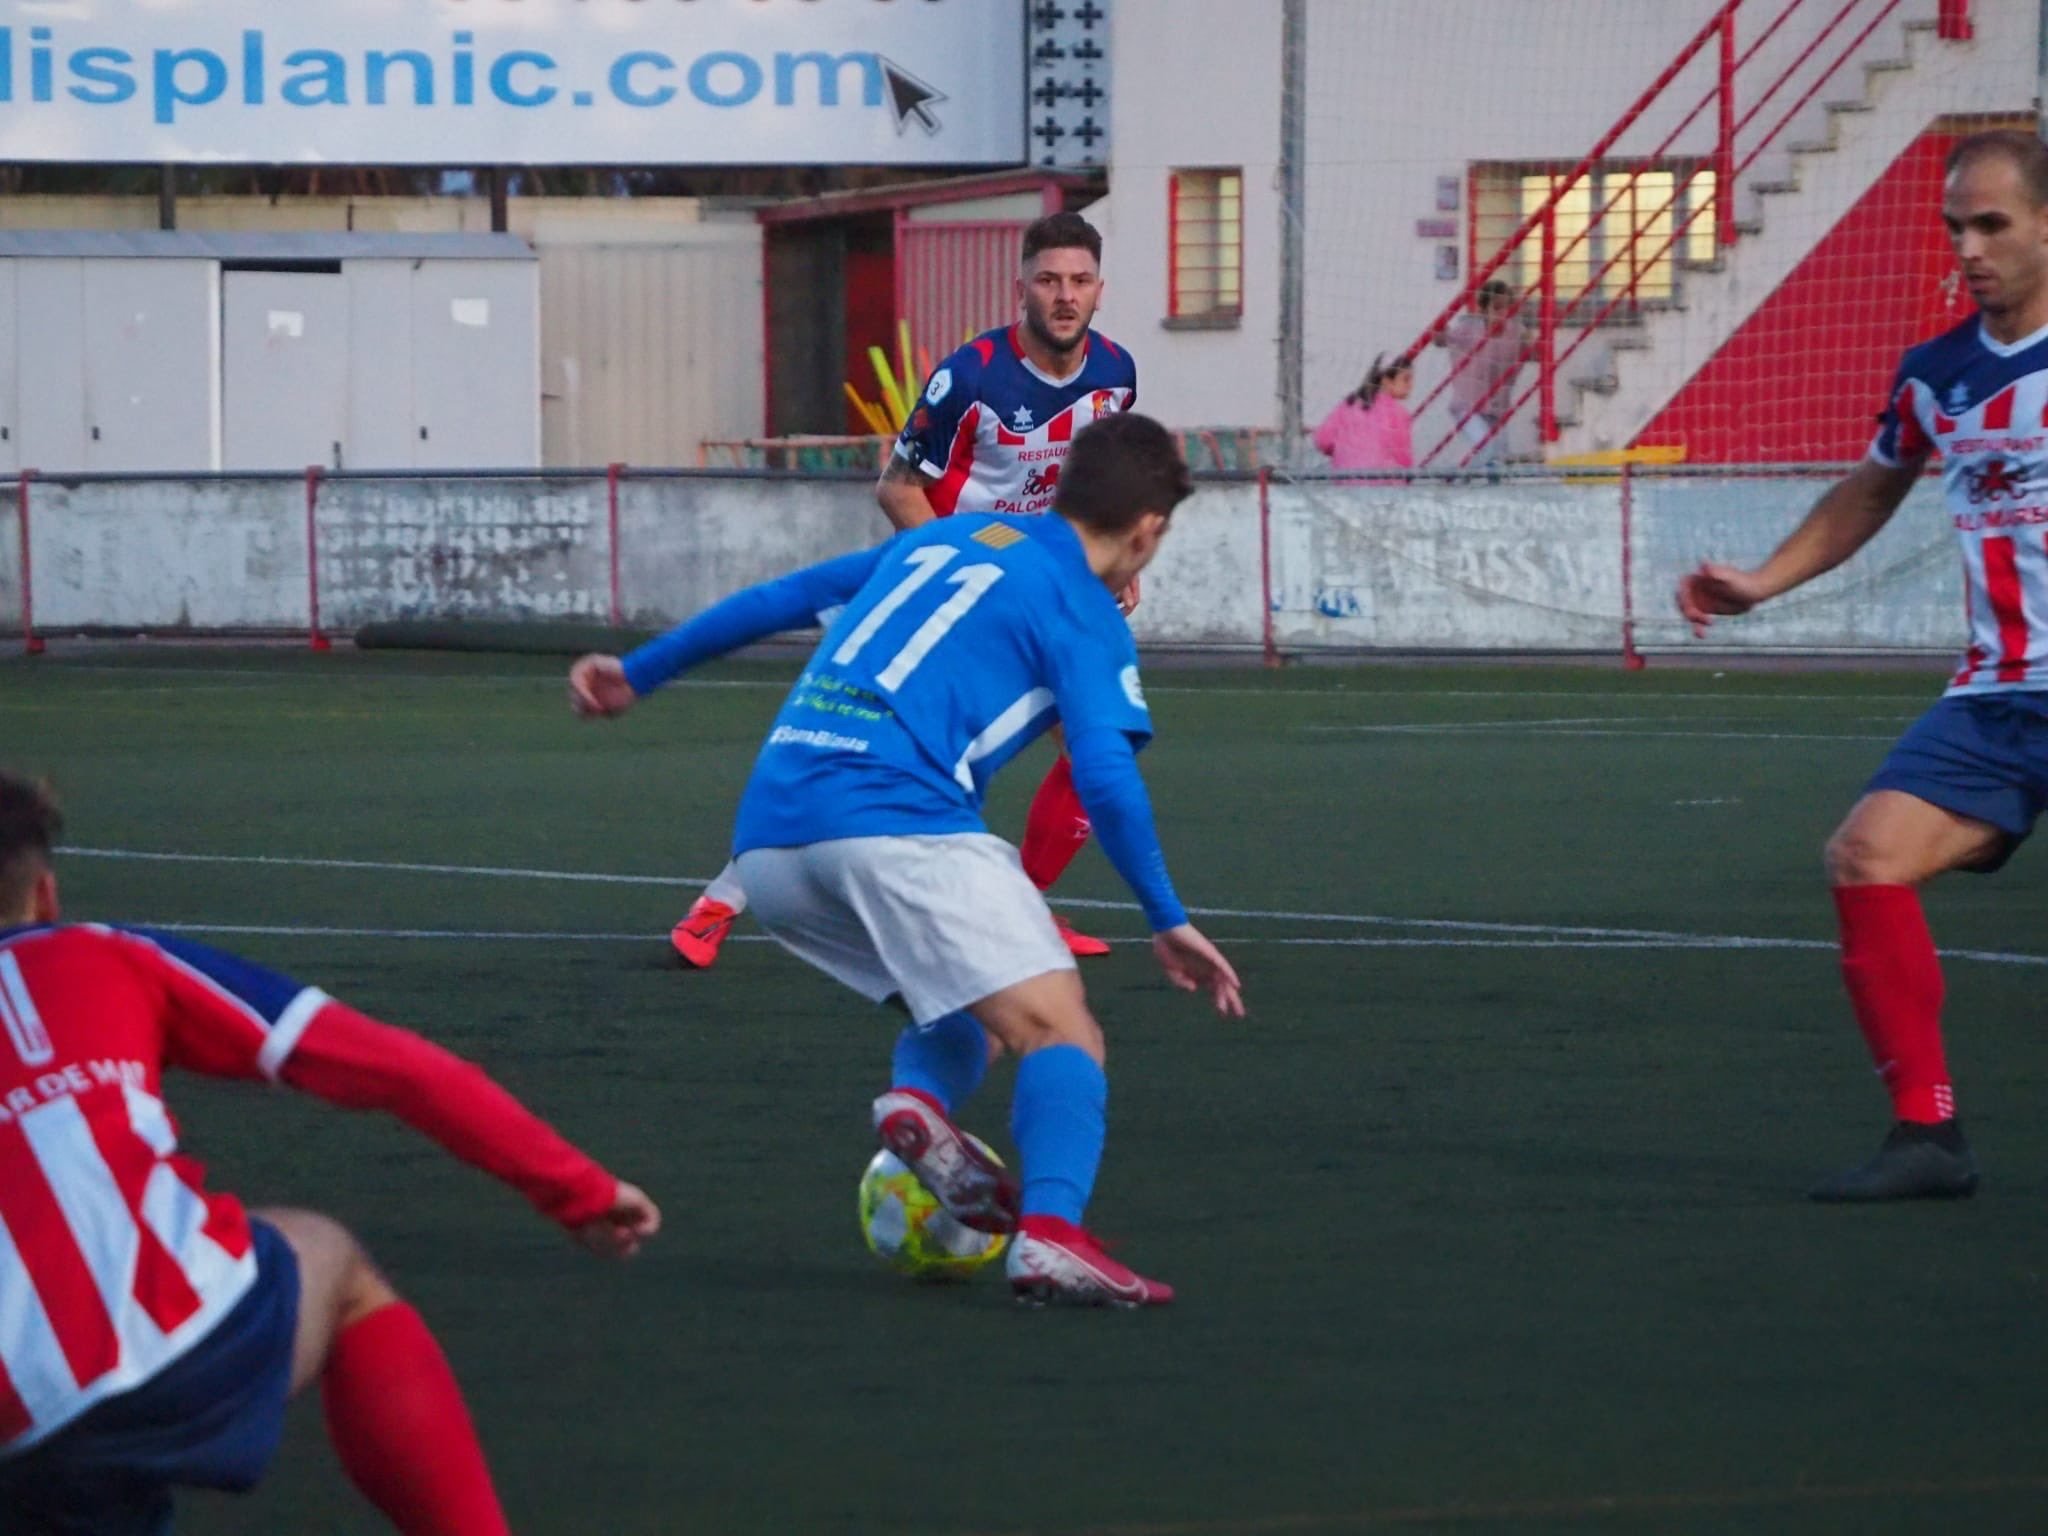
<point>50,306</point>
<point>152,365</point>
<point>285,369</point>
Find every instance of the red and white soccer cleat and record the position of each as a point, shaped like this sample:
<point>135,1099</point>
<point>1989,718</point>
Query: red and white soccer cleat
<point>1054,1263</point>
<point>703,928</point>
<point>976,1191</point>
<point>1078,944</point>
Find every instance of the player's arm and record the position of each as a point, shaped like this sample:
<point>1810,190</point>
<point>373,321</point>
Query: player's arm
<point>926,444</point>
<point>902,494</point>
<point>1845,519</point>
<point>611,685</point>
<point>227,1018</point>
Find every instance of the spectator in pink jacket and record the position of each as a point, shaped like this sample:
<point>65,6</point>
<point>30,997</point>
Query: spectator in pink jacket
<point>1371,427</point>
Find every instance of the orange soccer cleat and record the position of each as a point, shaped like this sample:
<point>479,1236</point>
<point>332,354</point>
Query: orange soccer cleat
<point>1078,944</point>
<point>703,928</point>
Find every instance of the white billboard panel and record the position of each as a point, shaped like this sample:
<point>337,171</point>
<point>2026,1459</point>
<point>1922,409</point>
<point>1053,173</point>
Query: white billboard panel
<point>514,82</point>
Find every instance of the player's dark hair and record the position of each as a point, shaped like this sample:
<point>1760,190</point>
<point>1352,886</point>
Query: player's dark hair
<point>1117,470</point>
<point>1376,378</point>
<point>30,826</point>
<point>1062,232</point>
<point>1494,288</point>
<point>2022,146</point>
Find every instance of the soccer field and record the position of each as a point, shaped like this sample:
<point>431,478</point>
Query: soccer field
<point>1490,1218</point>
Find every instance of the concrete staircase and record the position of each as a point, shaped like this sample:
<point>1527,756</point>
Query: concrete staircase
<point>1797,190</point>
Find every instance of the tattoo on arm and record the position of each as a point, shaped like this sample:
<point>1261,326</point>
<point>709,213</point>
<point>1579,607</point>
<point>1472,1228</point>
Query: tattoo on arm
<point>902,471</point>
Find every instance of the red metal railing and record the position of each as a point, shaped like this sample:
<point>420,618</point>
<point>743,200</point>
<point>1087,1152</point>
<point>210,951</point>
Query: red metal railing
<point>1738,101</point>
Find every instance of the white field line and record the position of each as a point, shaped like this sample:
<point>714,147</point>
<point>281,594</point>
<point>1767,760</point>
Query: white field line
<point>549,679</point>
<point>1573,729</point>
<point>1240,941</point>
<point>1442,931</point>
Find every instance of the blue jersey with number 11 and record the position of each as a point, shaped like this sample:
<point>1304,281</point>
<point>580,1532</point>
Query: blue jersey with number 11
<point>968,638</point>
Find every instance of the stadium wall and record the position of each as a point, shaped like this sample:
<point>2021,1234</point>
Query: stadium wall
<point>1533,564</point>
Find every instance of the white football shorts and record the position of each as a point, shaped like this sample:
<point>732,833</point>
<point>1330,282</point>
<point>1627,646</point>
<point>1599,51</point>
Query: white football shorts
<point>943,921</point>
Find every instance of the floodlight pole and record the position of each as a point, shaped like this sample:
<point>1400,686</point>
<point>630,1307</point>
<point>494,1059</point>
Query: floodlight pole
<point>1293,187</point>
<point>2041,69</point>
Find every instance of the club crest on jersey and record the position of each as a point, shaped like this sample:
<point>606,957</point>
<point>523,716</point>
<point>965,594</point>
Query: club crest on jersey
<point>1959,398</point>
<point>1133,689</point>
<point>1022,419</point>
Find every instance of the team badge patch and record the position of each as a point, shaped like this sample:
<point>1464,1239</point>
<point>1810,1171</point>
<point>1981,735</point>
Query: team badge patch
<point>940,386</point>
<point>1133,689</point>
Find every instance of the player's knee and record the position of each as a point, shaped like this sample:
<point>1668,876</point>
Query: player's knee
<point>1853,857</point>
<point>335,1269</point>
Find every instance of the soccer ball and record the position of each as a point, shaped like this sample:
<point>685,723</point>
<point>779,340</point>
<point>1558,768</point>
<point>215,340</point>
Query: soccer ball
<point>908,1230</point>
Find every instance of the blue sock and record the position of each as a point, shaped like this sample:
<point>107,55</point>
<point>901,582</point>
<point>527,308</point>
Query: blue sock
<point>1059,1116</point>
<point>946,1058</point>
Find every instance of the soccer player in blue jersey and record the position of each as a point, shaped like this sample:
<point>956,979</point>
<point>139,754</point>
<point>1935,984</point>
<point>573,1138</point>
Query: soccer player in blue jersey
<point>861,840</point>
<point>990,434</point>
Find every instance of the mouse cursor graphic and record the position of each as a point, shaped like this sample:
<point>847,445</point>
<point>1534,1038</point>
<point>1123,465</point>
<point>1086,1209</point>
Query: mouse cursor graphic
<point>909,97</point>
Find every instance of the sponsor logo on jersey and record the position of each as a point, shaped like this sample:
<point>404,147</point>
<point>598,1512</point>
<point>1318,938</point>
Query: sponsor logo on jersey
<point>1996,479</point>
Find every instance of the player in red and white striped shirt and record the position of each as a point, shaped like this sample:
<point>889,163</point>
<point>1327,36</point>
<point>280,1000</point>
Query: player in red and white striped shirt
<point>1966,783</point>
<point>150,1329</point>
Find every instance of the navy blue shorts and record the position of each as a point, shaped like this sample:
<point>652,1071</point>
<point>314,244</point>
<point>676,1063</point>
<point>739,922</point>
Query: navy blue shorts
<point>212,1419</point>
<point>1984,756</point>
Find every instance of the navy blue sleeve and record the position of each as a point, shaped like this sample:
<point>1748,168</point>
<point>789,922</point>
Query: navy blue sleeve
<point>1106,777</point>
<point>263,992</point>
<point>1901,439</point>
<point>772,608</point>
<point>926,442</point>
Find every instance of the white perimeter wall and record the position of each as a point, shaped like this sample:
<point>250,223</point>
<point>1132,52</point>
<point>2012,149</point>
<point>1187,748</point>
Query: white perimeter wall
<point>1400,93</point>
<point>1520,565</point>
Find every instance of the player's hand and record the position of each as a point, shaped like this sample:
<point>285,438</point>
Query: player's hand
<point>620,1231</point>
<point>1193,964</point>
<point>598,688</point>
<point>1717,591</point>
<point>1127,600</point>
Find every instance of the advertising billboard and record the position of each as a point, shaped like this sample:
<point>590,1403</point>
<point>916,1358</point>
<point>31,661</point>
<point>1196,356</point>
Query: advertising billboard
<point>514,82</point>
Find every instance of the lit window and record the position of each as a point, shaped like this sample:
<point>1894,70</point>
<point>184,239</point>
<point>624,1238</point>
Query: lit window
<point>1205,240</point>
<point>1629,251</point>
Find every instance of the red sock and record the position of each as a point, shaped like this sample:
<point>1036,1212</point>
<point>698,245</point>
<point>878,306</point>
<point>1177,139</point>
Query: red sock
<point>1894,979</point>
<point>402,1431</point>
<point>1056,829</point>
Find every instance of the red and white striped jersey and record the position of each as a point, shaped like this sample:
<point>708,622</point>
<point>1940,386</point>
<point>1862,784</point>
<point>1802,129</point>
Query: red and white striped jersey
<point>1983,406</point>
<point>992,431</point>
<point>114,1258</point>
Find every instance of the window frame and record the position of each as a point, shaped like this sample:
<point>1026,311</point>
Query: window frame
<point>1227,254</point>
<point>1506,178</point>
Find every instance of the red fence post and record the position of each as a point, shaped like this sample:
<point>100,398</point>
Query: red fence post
<point>31,642</point>
<point>314,637</point>
<point>612,475</point>
<point>1631,658</point>
<point>1724,139</point>
<point>1271,644</point>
